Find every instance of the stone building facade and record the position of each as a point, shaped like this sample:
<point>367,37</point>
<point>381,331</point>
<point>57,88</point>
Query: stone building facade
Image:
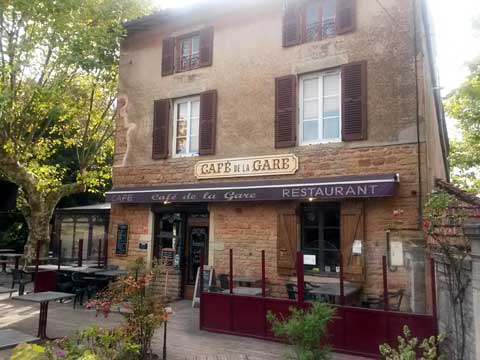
<point>341,90</point>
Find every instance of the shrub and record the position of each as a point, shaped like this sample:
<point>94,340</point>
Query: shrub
<point>408,347</point>
<point>306,330</point>
<point>143,311</point>
<point>90,344</point>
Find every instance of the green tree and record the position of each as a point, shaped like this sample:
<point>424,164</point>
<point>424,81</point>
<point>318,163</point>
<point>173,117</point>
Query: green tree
<point>58,78</point>
<point>464,106</point>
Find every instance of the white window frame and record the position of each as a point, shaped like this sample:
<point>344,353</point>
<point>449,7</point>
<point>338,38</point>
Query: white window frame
<point>317,75</point>
<point>188,100</point>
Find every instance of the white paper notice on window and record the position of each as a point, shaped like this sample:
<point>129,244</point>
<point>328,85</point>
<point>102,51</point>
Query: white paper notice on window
<point>357,247</point>
<point>309,260</point>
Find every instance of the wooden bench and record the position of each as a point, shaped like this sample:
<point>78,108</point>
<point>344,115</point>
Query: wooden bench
<point>10,338</point>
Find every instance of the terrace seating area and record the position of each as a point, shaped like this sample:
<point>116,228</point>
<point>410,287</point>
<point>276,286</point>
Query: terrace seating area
<point>185,340</point>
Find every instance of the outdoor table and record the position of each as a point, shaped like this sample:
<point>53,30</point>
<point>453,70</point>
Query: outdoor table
<point>13,255</point>
<point>250,280</point>
<point>111,273</point>
<point>4,290</point>
<point>333,289</point>
<point>245,291</point>
<point>44,298</point>
<point>6,250</point>
<point>10,338</point>
<point>80,269</point>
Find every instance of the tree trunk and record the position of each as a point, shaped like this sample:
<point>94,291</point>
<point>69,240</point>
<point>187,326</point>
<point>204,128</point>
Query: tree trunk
<point>38,221</point>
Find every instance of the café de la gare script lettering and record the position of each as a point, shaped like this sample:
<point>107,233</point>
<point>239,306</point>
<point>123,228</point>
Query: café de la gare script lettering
<point>249,166</point>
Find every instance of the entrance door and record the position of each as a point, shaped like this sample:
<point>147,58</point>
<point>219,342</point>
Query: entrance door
<point>196,244</point>
<point>168,233</point>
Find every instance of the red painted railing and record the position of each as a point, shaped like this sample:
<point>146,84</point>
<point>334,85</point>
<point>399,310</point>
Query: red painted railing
<point>354,330</point>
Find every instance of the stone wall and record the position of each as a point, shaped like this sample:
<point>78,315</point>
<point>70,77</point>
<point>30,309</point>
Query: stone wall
<point>167,284</point>
<point>140,228</point>
<point>449,314</point>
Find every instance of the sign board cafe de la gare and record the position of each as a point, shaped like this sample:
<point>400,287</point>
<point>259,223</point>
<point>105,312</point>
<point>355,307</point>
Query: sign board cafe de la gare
<point>372,186</point>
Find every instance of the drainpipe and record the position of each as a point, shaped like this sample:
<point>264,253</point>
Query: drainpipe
<point>417,111</point>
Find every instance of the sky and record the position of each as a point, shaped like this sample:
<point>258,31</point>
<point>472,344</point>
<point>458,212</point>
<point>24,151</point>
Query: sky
<point>456,41</point>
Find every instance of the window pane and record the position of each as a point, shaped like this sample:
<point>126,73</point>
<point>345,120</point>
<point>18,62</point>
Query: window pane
<point>196,108</point>
<point>331,128</point>
<point>310,109</point>
<point>186,47</point>
<point>332,217</point>
<point>330,85</point>
<point>329,9</point>
<point>310,131</point>
<point>310,218</point>
<point>195,44</point>
<point>331,106</point>
<point>313,13</point>
<point>194,144</point>
<point>181,146</point>
<point>332,239</point>
<point>310,88</point>
<point>181,129</point>
<point>310,238</point>
<point>183,111</point>
<point>194,123</point>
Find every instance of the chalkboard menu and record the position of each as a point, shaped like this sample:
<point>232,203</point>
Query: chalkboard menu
<point>207,279</point>
<point>167,256</point>
<point>122,240</point>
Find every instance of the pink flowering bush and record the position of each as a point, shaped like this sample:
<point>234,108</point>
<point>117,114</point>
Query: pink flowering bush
<point>143,312</point>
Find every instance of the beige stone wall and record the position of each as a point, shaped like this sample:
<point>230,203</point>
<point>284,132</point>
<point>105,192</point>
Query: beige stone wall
<point>248,56</point>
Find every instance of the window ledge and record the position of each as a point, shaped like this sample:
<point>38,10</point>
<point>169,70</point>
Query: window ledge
<point>185,156</point>
<point>323,142</point>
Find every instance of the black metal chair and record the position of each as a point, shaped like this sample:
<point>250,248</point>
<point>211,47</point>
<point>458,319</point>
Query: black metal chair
<point>21,278</point>
<point>292,291</point>
<point>64,282</point>
<point>80,288</point>
<point>224,281</point>
<point>376,301</point>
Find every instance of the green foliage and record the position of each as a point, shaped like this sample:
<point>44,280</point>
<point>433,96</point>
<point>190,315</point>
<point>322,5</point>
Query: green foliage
<point>143,311</point>
<point>90,344</point>
<point>408,347</point>
<point>58,83</point>
<point>306,330</point>
<point>13,231</point>
<point>464,106</point>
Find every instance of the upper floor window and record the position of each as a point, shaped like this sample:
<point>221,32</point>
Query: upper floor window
<point>319,20</point>
<point>185,127</point>
<point>313,20</point>
<point>189,49</point>
<point>320,103</point>
<point>328,106</point>
<point>187,52</point>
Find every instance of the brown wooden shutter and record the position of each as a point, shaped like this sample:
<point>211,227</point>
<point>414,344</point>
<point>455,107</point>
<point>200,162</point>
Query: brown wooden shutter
<point>208,122</point>
<point>161,117</point>
<point>206,46</point>
<point>287,240</point>
<point>354,101</point>
<point>345,18</point>
<point>353,228</point>
<point>292,29</point>
<point>285,111</point>
<point>168,56</point>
